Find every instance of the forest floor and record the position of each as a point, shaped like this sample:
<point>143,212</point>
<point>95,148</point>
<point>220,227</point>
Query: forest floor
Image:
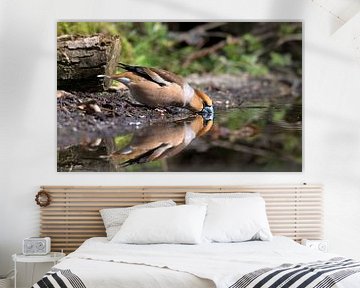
<point>84,115</point>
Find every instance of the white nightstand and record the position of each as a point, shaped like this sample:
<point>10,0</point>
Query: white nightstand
<point>320,245</point>
<point>53,257</point>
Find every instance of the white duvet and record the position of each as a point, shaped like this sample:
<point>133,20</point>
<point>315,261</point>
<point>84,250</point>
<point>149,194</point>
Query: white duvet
<point>100,263</point>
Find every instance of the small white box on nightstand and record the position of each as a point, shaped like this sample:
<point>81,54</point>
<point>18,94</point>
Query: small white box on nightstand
<point>320,245</point>
<point>36,246</point>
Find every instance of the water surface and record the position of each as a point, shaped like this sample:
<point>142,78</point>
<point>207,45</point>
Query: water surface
<point>261,137</point>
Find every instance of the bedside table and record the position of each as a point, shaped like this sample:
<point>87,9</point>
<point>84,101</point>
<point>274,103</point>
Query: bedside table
<point>320,245</point>
<point>53,257</point>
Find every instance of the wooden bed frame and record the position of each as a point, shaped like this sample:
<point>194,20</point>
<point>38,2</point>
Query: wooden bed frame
<point>73,214</point>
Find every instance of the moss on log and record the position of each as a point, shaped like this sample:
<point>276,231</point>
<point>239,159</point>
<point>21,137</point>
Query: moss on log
<point>80,59</point>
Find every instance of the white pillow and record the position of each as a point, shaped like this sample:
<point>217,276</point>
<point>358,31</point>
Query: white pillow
<point>203,198</point>
<point>180,224</point>
<point>113,218</point>
<point>236,220</point>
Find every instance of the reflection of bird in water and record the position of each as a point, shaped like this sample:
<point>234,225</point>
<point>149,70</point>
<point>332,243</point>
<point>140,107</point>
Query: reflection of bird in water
<point>160,88</point>
<point>160,141</point>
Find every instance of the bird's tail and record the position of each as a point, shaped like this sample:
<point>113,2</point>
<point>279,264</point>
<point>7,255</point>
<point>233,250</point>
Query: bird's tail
<point>125,66</point>
<point>131,68</point>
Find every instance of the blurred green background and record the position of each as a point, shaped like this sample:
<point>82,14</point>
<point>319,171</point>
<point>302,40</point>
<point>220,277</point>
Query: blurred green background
<point>197,47</point>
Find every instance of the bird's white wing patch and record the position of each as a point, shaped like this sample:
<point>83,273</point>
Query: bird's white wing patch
<point>189,134</point>
<point>188,93</point>
<point>159,79</point>
<point>160,150</point>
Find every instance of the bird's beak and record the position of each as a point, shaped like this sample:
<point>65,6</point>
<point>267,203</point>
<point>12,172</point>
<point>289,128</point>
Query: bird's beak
<point>207,112</point>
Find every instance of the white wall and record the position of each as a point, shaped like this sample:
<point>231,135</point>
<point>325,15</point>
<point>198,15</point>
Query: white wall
<point>28,109</point>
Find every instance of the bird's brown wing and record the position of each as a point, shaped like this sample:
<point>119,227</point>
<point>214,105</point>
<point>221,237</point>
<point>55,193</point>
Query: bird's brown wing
<point>159,76</point>
<point>168,76</point>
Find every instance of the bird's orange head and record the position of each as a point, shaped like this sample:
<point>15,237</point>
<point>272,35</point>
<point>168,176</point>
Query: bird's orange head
<point>201,102</point>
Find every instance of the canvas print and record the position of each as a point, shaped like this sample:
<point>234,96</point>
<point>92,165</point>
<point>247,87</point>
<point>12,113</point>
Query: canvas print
<point>179,96</point>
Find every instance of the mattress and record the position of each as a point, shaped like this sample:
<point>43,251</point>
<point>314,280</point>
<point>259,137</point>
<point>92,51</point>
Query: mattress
<point>99,263</point>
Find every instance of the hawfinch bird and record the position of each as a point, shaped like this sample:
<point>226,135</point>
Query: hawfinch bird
<point>159,141</point>
<point>158,88</point>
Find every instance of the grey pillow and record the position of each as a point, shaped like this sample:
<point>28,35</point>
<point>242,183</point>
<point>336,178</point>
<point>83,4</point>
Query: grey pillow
<point>113,218</point>
<point>203,198</point>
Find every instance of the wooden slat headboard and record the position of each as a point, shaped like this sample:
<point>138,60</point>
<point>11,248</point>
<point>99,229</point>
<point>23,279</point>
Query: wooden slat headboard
<point>73,215</point>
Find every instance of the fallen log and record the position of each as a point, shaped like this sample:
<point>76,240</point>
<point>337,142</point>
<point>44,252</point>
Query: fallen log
<point>81,58</point>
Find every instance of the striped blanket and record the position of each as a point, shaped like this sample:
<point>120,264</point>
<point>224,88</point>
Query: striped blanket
<point>57,278</point>
<point>320,274</point>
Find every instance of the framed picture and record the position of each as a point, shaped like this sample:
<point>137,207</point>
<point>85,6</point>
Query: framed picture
<point>179,96</point>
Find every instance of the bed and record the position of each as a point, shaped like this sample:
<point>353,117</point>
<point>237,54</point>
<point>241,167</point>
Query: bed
<point>295,211</point>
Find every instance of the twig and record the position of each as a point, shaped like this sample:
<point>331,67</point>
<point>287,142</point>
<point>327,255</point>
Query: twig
<point>279,42</point>
<point>196,35</point>
<point>209,50</point>
<point>289,38</point>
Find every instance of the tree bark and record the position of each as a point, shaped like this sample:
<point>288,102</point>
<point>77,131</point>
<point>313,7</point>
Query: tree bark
<point>80,59</point>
